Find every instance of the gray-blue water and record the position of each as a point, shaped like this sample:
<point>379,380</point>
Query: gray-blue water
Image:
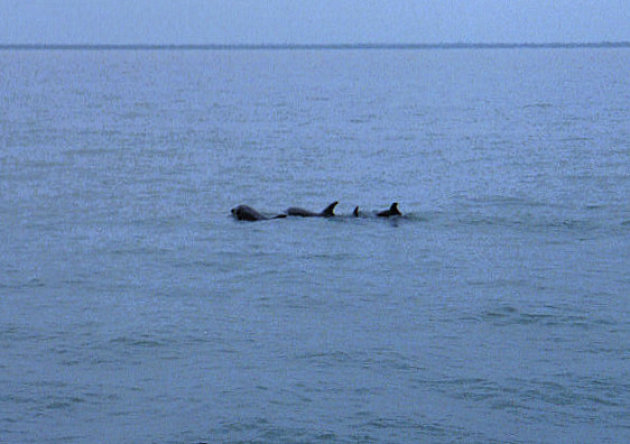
<point>134,309</point>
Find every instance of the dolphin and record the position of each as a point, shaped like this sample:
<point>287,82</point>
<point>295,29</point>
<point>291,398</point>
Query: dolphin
<point>245,212</point>
<point>355,213</point>
<point>393,211</point>
<point>327,212</point>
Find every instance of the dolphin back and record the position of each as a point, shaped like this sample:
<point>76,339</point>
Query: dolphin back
<point>296,211</point>
<point>326,212</point>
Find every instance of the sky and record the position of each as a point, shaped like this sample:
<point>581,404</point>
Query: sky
<point>312,21</point>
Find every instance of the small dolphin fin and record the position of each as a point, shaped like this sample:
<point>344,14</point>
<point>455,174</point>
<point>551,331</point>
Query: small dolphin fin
<point>329,210</point>
<point>355,213</point>
<point>394,209</point>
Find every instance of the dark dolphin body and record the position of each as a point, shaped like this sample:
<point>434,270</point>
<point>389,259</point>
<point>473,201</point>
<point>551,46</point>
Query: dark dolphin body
<point>245,212</point>
<point>327,212</point>
<point>393,211</point>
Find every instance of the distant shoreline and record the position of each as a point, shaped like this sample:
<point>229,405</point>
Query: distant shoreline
<point>332,46</point>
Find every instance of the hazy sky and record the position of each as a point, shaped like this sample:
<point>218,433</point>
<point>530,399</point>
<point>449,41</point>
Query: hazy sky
<point>313,21</point>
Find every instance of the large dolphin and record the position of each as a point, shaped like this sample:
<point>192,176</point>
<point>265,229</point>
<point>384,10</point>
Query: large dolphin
<point>245,212</point>
<point>393,211</point>
<point>327,212</point>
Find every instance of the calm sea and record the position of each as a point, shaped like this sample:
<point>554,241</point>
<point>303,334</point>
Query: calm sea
<point>134,309</point>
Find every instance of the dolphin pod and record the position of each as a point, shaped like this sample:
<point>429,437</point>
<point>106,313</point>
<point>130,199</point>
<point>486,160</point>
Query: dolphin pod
<point>247,213</point>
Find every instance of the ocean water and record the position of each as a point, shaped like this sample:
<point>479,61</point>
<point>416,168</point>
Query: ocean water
<point>134,309</point>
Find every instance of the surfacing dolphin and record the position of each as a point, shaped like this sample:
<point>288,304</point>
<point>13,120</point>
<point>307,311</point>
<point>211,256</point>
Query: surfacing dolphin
<point>393,211</point>
<point>245,212</point>
<point>326,212</point>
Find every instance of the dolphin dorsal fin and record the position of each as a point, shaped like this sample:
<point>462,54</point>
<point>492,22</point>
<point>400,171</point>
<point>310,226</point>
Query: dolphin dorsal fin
<point>329,210</point>
<point>394,209</point>
<point>355,213</point>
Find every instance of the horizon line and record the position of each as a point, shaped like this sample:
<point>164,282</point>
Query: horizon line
<point>308,46</point>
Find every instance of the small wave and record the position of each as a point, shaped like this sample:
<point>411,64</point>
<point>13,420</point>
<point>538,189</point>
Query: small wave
<point>498,283</point>
<point>538,105</point>
<point>488,221</point>
<point>504,311</point>
<point>509,316</point>
<point>34,283</point>
<point>64,403</point>
<point>331,256</point>
<point>416,217</point>
<point>318,99</point>
<point>323,357</point>
<point>531,223</point>
<point>571,224</point>
<point>575,139</point>
<point>135,342</point>
<point>99,151</point>
<point>591,207</point>
<point>503,201</point>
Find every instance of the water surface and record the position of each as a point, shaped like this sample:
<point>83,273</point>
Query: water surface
<point>134,309</point>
